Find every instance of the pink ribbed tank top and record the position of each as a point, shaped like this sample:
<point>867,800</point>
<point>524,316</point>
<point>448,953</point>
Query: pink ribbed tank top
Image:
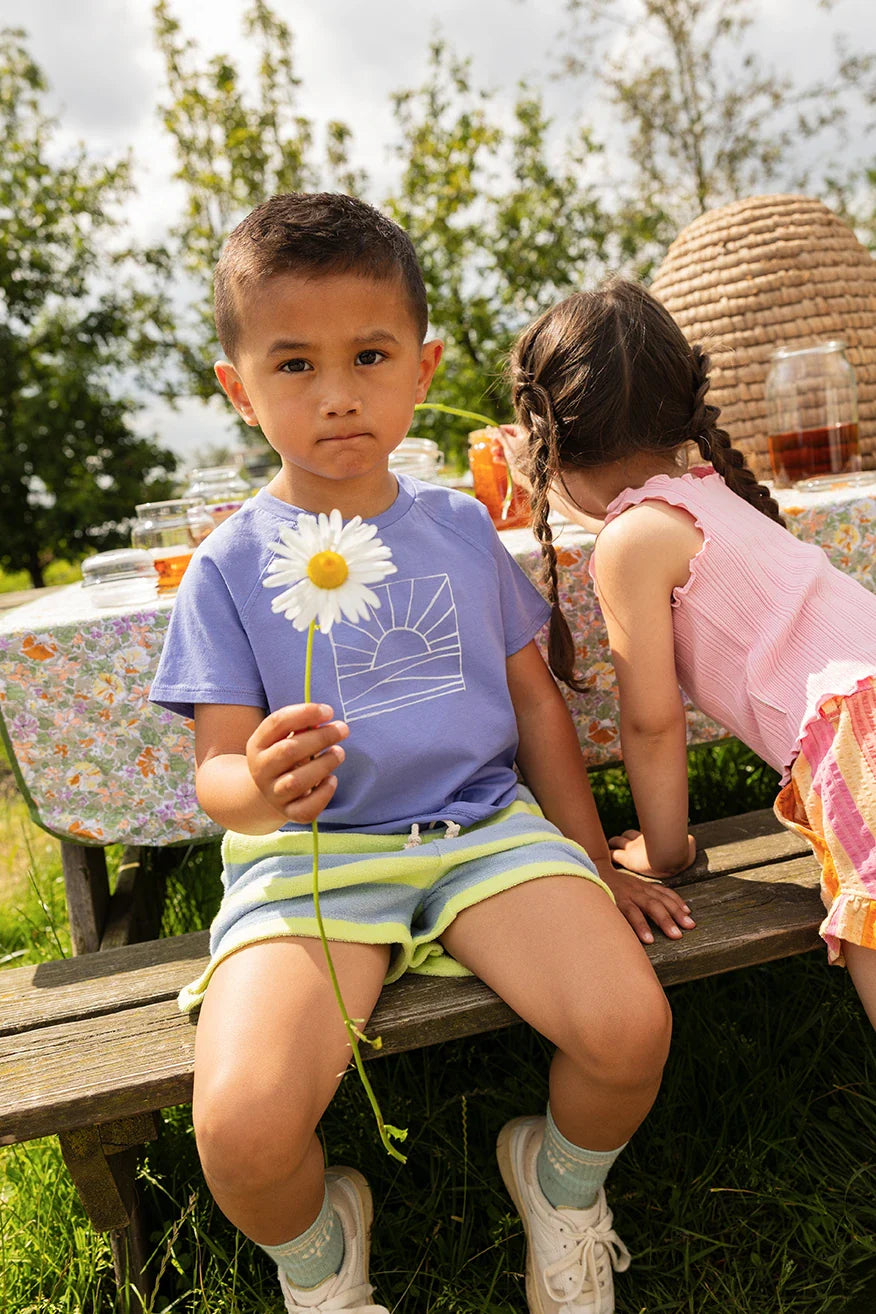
<point>765,628</point>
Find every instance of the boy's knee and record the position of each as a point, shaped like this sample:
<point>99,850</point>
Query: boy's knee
<point>248,1145</point>
<point>627,1043</point>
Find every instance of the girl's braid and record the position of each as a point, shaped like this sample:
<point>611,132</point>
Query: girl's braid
<point>533,404</point>
<point>715,445</point>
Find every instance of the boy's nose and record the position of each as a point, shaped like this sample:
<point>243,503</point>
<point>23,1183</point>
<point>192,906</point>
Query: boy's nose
<point>340,403</point>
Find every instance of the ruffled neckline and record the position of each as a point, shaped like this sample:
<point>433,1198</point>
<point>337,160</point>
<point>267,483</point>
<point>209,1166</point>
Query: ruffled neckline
<point>656,483</point>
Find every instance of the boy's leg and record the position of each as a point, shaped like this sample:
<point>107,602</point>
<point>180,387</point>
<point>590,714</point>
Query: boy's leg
<point>861,963</point>
<point>558,951</point>
<point>269,1053</point>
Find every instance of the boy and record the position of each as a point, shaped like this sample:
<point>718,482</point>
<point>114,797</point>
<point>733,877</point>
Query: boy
<point>321,311</point>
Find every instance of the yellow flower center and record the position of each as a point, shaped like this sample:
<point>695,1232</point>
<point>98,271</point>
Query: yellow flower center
<point>327,570</point>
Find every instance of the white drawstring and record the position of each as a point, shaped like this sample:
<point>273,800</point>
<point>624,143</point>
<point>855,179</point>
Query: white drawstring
<point>415,838</point>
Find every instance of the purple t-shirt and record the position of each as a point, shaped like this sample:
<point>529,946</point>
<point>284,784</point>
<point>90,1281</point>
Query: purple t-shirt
<point>421,682</point>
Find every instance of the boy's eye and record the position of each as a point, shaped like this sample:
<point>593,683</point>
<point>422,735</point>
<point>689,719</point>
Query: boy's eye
<point>370,356</point>
<point>295,366</point>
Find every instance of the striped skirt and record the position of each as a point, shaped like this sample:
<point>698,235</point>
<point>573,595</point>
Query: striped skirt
<point>831,801</point>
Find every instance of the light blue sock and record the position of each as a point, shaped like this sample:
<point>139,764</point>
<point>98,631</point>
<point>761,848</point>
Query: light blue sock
<point>316,1254</point>
<point>569,1175</point>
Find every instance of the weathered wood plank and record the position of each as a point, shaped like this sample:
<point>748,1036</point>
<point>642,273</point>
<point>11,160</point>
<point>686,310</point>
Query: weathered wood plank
<point>91,984</point>
<point>122,1063</point>
<point>87,889</point>
<point>733,844</point>
<point>155,970</point>
<point>137,900</point>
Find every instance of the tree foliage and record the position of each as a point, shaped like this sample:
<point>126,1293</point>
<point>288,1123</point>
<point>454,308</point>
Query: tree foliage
<point>71,466</point>
<point>238,139</point>
<point>502,227</point>
<point>704,119</point>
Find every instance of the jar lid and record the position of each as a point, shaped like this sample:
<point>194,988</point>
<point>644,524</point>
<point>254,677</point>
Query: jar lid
<point>215,473</point>
<point>125,563</point>
<point>829,344</point>
<point>177,506</point>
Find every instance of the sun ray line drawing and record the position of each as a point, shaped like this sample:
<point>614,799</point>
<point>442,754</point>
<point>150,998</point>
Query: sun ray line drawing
<point>423,614</point>
<point>406,651</point>
<point>348,647</point>
<point>448,612</point>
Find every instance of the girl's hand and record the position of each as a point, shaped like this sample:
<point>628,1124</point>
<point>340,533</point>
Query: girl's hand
<point>642,901</point>
<point>292,756</point>
<point>515,442</point>
<point>628,851</point>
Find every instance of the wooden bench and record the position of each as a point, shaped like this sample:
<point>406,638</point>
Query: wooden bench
<point>91,1048</point>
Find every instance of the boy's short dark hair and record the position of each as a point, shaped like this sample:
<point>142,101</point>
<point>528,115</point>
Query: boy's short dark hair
<point>317,233</point>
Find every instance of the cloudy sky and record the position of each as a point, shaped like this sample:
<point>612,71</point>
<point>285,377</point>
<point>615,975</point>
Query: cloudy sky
<point>106,80</point>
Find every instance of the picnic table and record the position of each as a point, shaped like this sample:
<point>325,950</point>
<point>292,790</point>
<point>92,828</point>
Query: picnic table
<point>99,764</point>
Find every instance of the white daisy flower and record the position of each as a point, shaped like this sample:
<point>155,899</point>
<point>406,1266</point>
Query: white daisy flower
<point>324,568</point>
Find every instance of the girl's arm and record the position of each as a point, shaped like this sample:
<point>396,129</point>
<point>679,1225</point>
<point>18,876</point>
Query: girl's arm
<point>549,756</point>
<point>640,558</point>
<point>256,772</point>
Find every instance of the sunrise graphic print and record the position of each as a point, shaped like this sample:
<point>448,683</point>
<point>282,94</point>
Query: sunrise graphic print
<point>406,651</point>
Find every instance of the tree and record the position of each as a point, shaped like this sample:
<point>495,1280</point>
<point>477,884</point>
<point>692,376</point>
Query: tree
<point>500,229</point>
<point>234,148</point>
<point>71,466</point>
<point>706,121</point>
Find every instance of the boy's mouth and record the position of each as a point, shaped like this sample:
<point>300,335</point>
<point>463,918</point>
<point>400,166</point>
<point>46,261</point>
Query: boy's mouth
<point>342,437</point>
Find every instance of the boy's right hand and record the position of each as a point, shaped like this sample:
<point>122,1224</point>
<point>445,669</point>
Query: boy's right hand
<point>292,756</point>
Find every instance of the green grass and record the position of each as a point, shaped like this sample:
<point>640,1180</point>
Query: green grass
<point>747,1191</point>
<point>57,572</point>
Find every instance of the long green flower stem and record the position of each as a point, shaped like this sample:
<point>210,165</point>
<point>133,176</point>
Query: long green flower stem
<point>479,419</point>
<point>353,1032</point>
<point>454,410</point>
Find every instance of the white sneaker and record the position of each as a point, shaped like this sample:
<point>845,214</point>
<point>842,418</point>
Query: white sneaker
<point>349,1289</point>
<point>570,1253</point>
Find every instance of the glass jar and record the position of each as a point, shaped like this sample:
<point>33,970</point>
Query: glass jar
<point>170,532</point>
<point>507,502</point>
<point>221,488</point>
<point>123,578</point>
<point>812,413</point>
<point>419,457</point>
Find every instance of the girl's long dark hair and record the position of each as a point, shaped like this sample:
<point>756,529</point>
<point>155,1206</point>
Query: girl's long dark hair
<point>598,378</point>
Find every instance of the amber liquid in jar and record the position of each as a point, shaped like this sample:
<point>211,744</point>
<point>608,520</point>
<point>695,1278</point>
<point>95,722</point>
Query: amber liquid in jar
<point>171,563</point>
<point>806,453</point>
<point>490,473</point>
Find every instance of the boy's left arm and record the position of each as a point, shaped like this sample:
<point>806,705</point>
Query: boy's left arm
<point>550,760</point>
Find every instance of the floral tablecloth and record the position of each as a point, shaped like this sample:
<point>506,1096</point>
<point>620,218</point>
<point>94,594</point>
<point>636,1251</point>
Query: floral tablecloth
<point>99,764</point>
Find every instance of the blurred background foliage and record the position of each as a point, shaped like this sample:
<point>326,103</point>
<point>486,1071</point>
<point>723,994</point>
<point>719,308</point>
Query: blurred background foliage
<point>509,211</point>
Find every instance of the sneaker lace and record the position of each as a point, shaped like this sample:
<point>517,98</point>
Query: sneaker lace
<point>352,1299</point>
<point>584,1263</point>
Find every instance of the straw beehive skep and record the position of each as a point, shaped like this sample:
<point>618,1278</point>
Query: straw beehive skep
<point>768,272</point>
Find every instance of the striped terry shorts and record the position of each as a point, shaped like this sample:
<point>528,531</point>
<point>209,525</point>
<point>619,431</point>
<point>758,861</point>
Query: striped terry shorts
<point>831,801</point>
<point>382,889</point>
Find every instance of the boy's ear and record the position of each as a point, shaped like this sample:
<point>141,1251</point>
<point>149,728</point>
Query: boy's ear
<point>430,355</point>
<point>232,386</point>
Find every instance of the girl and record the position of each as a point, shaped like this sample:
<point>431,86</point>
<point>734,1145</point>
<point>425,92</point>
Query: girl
<point>701,587</point>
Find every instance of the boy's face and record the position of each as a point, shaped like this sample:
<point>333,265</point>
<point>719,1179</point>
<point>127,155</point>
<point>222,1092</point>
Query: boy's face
<point>330,367</point>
